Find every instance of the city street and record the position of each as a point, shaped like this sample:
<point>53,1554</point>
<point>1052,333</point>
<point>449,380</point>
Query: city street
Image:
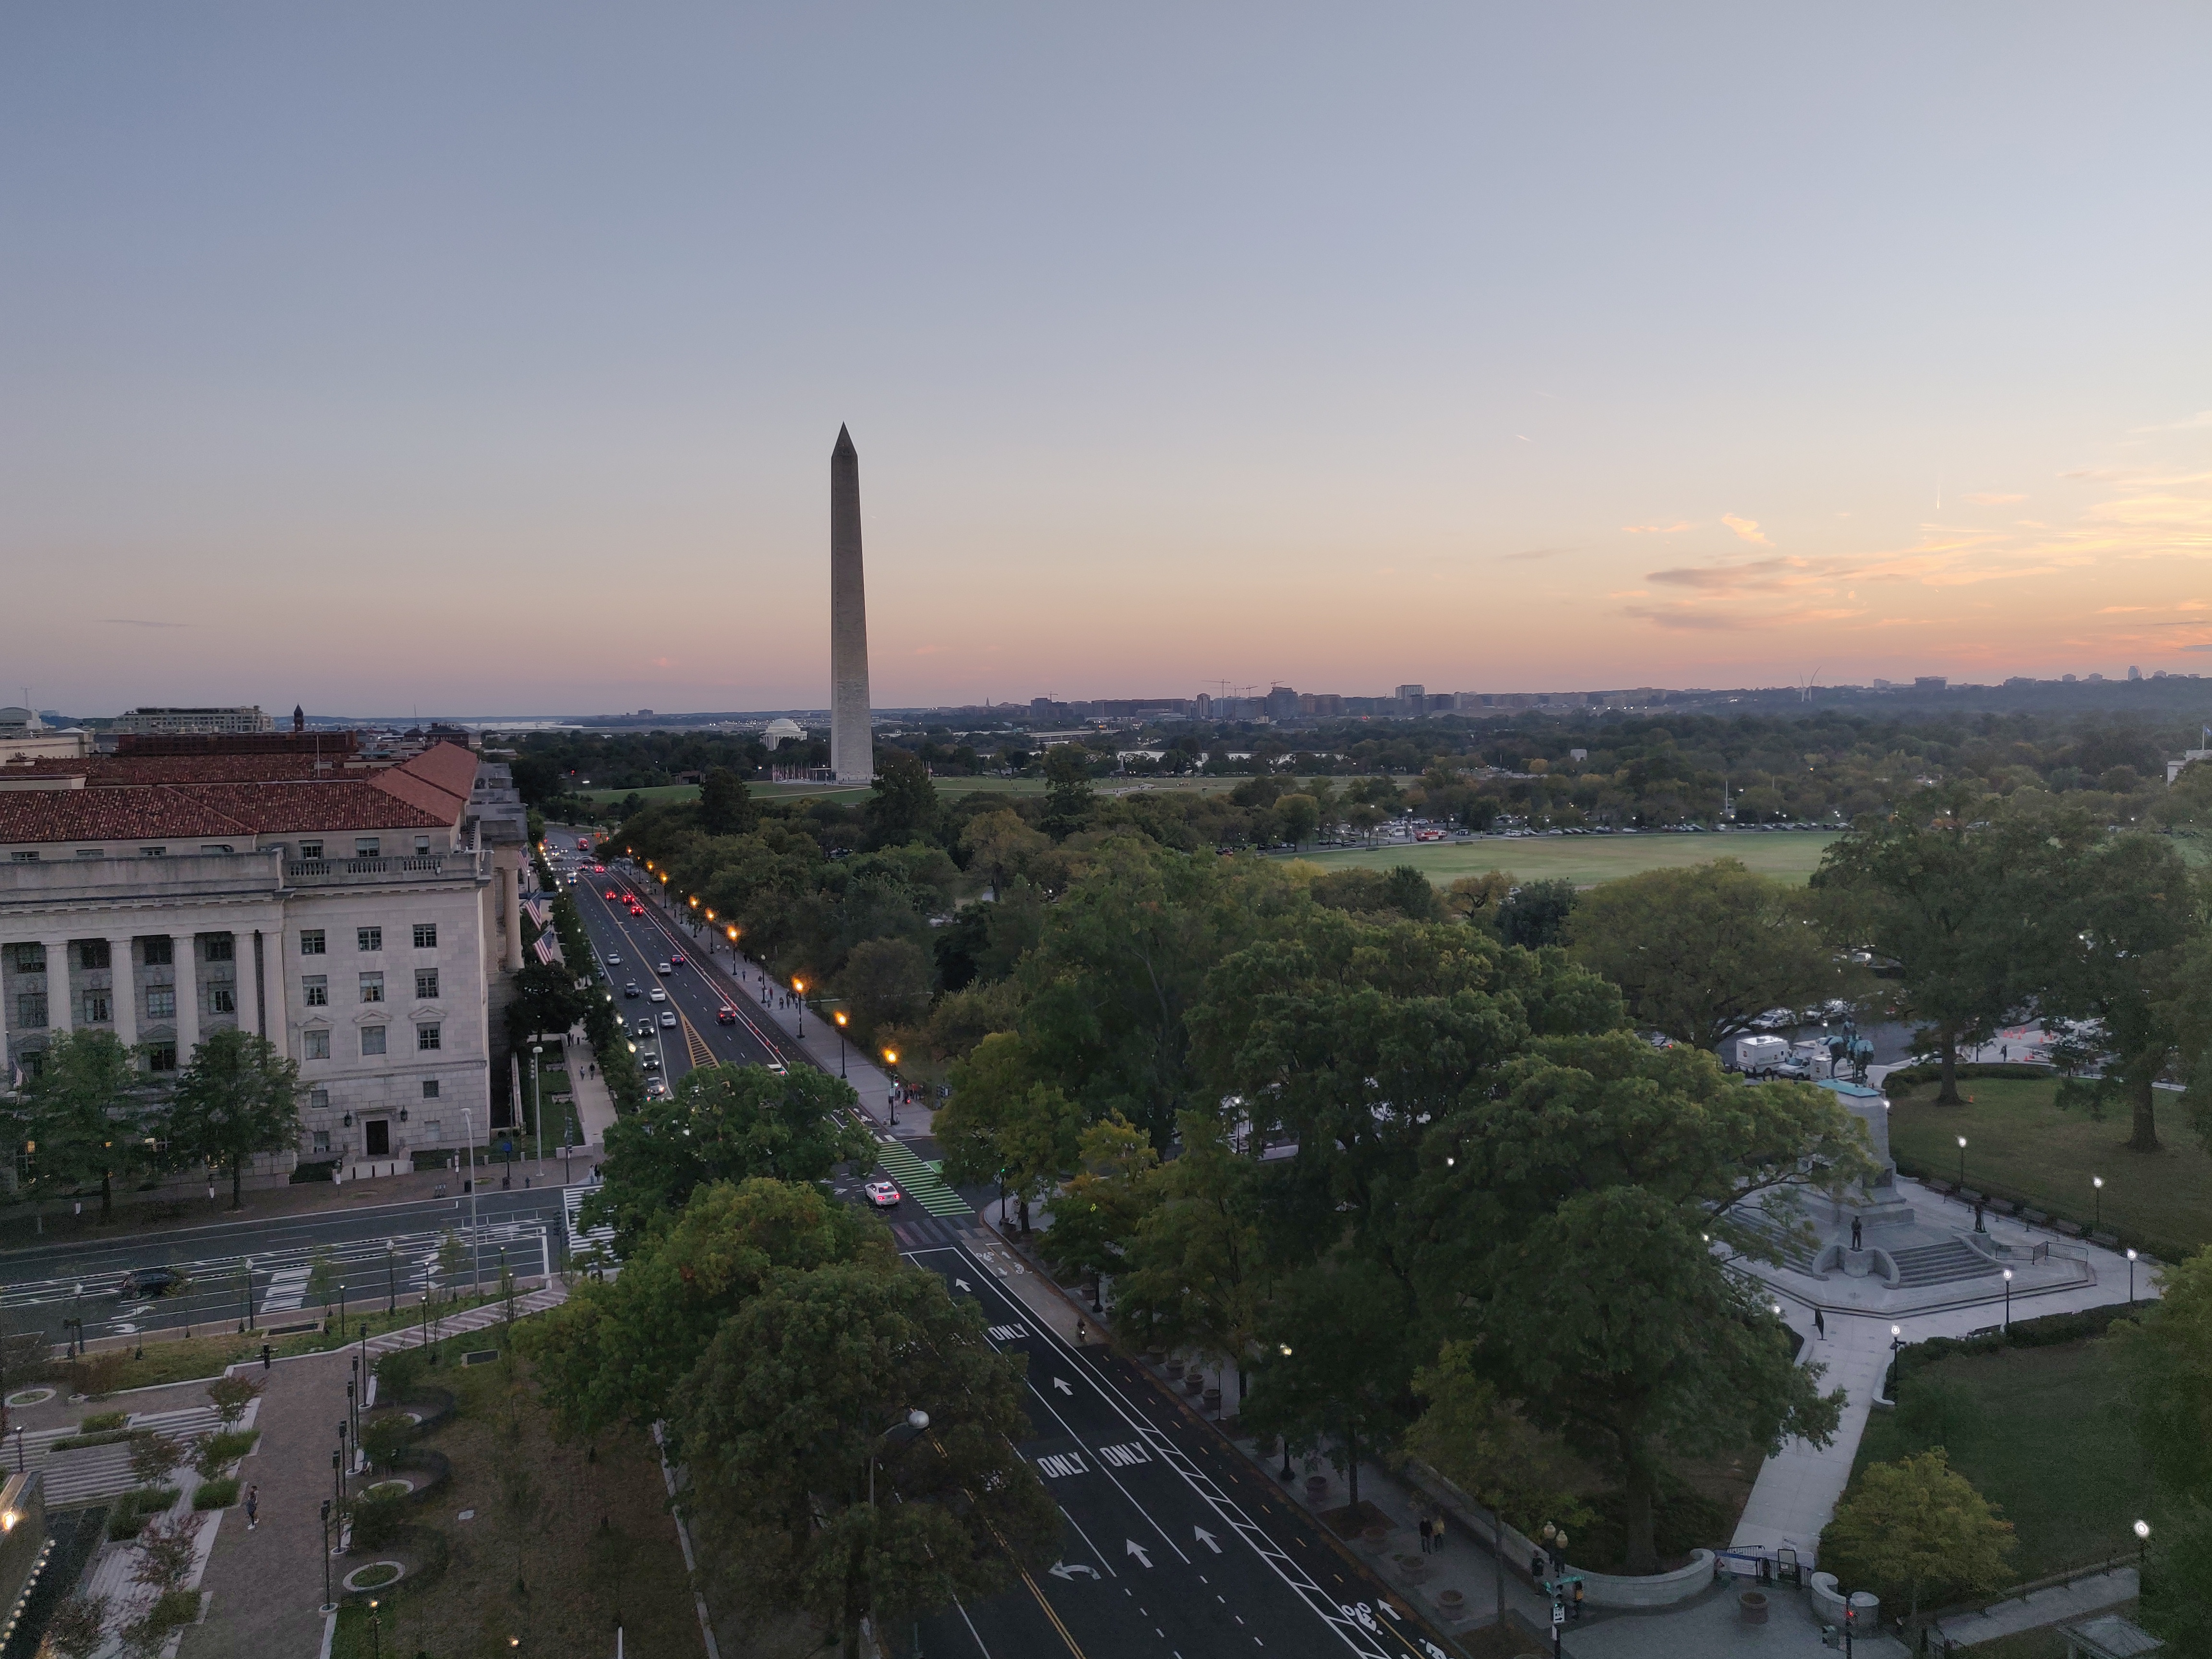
<point>1175,1545</point>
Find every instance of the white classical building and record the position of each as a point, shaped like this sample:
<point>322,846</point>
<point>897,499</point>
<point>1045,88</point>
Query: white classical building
<point>357,915</point>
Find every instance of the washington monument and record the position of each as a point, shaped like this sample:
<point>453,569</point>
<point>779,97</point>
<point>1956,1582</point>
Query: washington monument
<point>852,750</point>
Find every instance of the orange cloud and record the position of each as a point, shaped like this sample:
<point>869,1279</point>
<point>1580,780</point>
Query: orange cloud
<point>1746,528</point>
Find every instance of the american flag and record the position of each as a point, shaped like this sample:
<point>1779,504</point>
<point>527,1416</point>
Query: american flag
<point>549,950</point>
<point>537,910</point>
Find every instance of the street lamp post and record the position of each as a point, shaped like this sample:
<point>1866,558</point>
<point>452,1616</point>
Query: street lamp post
<point>840,1017</point>
<point>469,1135</point>
<point>799,986</point>
<point>891,1058</point>
<point>2097,1183</point>
<point>537,1103</point>
<point>329,1606</point>
<point>2142,1549</point>
<point>1896,1347</point>
<point>2131,1278</point>
<point>914,1422</point>
<point>1962,1160</point>
<point>2008,1319</point>
<point>390,1279</point>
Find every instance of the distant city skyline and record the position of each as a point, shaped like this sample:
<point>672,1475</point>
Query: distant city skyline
<point>369,359</point>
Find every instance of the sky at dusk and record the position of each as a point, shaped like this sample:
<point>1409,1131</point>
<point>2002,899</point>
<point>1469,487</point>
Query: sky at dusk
<point>487,359</point>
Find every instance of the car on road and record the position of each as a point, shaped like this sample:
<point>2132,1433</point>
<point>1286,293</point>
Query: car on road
<point>664,969</point>
<point>725,1015</point>
<point>613,960</point>
<point>677,956</point>
<point>779,1068</point>
<point>883,1194</point>
<point>631,990</point>
<point>668,1021</point>
<point>656,994</point>
<point>610,892</point>
<point>645,1028</point>
<point>656,1089</point>
<point>649,1062</point>
<point>142,1283</point>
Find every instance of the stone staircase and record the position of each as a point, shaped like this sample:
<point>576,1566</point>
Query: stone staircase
<point>1941,1264</point>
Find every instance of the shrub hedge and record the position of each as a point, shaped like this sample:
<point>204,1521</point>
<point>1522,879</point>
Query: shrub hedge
<point>216,1494</point>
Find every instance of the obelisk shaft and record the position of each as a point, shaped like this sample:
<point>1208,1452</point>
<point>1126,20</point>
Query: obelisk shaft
<point>852,750</point>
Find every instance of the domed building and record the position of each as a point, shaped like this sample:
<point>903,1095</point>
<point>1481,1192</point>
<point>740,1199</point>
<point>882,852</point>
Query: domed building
<point>781,732</point>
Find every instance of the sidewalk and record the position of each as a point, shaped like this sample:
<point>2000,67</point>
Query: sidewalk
<point>595,1107</point>
<point>822,1044</point>
<point>2042,1607</point>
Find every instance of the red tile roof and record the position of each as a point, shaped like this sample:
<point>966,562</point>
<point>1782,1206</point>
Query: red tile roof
<point>156,812</point>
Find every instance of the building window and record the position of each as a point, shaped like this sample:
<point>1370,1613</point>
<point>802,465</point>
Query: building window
<point>92,852</point>
<point>322,1141</point>
<point>315,990</point>
<point>372,988</point>
<point>162,1057</point>
<point>311,850</point>
<point>160,1002</point>
<point>316,1045</point>
<point>157,953</point>
<point>153,852</point>
<point>372,1039</point>
<point>426,935</point>
<point>368,938</point>
<point>31,1010</point>
<point>433,1132</point>
<point>366,847</point>
<point>422,845</point>
<point>427,1037</point>
<point>426,984</point>
<point>96,1008</point>
<point>92,953</point>
<point>429,1088</point>
<point>311,942</point>
<point>222,999</point>
<point>28,958</point>
<point>319,1099</point>
<point>24,858</point>
<point>219,947</point>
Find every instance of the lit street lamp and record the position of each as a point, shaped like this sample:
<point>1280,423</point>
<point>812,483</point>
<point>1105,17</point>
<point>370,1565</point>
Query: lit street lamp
<point>1962,1160</point>
<point>2143,1548</point>
<point>2098,1182</point>
<point>2131,1278</point>
<point>798,986</point>
<point>2008,1319</point>
<point>890,1057</point>
<point>840,1017</point>
<point>1896,1347</point>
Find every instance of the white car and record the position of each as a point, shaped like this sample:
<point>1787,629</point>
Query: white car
<point>668,1021</point>
<point>656,994</point>
<point>613,961</point>
<point>883,1194</point>
<point>779,1068</point>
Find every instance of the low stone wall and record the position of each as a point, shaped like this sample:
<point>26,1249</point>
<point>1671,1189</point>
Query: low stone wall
<point>1828,1604</point>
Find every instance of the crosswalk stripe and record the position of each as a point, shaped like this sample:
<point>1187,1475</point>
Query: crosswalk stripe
<point>918,1182</point>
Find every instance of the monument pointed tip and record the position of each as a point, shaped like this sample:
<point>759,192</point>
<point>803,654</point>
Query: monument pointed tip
<point>844,442</point>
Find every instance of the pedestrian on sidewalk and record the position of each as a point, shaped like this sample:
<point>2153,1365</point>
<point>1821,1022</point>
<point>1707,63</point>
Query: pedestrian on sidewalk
<point>1424,1534</point>
<point>1820,1325</point>
<point>1436,1533</point>
<point>252,1508</point>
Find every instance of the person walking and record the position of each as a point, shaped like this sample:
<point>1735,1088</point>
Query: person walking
<point>1436,1533</point>
<point>1424,1534</point>
<point>252,1508</point>
<point>1820,1325</point>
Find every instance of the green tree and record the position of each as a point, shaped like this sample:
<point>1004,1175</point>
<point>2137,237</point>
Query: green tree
<point>1197,1276</point>
<point>1564,1221</point>
<point>2166,1364</point>
<point>1296,817</point>
<point>782,1426</point>
<point>324,1282</point>
<point>1002,1124</point>
<point>2119,958</point>
<point>1096,1216</point>
<point>2177,1585</point>
<point>1002,845</point>
<point>545,1000</point>
<point>80,1115</point>
<point>612,1352</point>
<point>885,982</point>
<point>1069,801</point>
<point>1701,953</point>
<point>155,1458</point>
<point>1937,894</point>
<point>904,807</point>
<point>725,805</point>
<point>724,1123</point>
<point>1535,914</point>
<point>78,1626</point>
<point>386,1437</point>
<point>237,1099</point>
<point>1339,1365</point>
<point>1917,1528</point>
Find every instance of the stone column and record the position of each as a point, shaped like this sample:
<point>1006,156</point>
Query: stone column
<point>188,996</point>
<point>61,1013</point>
<point>123,991</point>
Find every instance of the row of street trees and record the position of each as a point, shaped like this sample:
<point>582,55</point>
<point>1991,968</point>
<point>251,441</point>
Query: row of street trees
<point>785,1350</point>
<point>88,1116</point>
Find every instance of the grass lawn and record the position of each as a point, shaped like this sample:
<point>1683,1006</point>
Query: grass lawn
<point>1791,854</point>
<point>577,1571</point>
<point>2018,1139</point>
<point>185,1359</point>
<point>651,794</point>
<point>2040,1433</point>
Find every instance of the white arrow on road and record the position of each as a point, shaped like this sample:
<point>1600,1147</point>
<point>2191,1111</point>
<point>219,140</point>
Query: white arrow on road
<point>1061,1383</point>
<point>1063,1569</point>
<point>1207,1539</point>
<point>1143,1559</point>
<point>960,1284</point>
